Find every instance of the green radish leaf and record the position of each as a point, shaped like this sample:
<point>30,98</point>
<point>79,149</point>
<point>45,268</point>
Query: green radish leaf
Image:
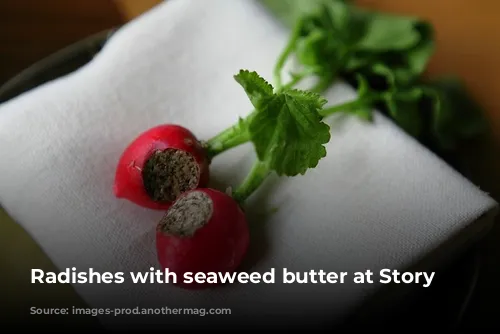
<point>258,90</point>
<point>287,131</point>
<point>384,32</point>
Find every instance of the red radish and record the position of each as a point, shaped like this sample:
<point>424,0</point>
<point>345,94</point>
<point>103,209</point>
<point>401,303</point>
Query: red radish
<point>159,165</point>
<point>205,230</point>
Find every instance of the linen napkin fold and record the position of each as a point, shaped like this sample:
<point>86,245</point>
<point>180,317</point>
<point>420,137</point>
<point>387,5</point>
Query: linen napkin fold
<point>378,200</point>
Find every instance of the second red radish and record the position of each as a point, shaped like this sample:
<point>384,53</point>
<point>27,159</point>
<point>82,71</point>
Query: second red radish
<point>204,231</point>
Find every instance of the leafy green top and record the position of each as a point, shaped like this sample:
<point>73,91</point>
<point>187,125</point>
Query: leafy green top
<point>384,55</point>
<point>286,129</point>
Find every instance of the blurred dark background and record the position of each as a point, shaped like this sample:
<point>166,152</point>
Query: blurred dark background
<point>467,34</point>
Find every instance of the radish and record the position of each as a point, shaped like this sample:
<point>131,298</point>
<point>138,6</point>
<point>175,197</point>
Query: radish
<point>205,230</point>
<point>159,165</point>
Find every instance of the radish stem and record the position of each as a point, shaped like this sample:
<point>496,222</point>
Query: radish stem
<point>350,105</point>
<point>287,51</point>
<point>253,180</point>
<point>229,138</point>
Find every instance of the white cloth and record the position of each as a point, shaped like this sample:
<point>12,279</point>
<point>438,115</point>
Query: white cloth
<point>378,200</point>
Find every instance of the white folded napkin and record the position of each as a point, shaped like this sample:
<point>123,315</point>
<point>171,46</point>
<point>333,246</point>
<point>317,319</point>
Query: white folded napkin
<point>378,200</point>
